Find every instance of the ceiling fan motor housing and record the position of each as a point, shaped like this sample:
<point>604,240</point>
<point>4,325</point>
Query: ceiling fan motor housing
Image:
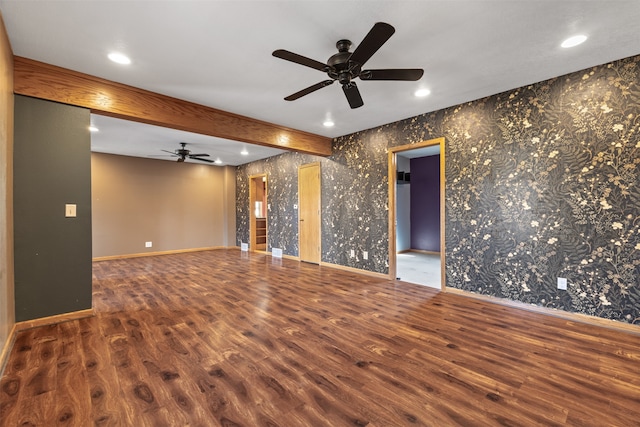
<point>340,68</point>
<point>182,151</point>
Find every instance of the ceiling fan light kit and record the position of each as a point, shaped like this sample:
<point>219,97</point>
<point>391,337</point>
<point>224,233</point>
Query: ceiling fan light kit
<point>346,66</point>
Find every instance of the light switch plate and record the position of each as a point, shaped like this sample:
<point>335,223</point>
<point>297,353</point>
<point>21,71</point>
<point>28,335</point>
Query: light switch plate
<point>70,210</point>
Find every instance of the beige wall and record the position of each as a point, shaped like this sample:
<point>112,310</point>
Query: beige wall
<point>176,206</point>
<point>7,313</point>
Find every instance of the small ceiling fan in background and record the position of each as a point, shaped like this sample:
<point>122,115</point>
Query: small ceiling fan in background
<point>182,154</point>
<point>346,66</point>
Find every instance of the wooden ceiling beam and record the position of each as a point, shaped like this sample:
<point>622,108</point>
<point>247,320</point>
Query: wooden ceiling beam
<point>45,81</point>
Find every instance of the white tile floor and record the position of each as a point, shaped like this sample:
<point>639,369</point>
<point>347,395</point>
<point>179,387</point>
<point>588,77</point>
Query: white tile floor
<point>416,267</point>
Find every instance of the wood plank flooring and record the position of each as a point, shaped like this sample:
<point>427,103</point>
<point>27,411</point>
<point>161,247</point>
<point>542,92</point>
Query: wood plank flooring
<point>224,338</point>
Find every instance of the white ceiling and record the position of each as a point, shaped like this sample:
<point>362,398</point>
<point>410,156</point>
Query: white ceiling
<point>431,150</point>
<point>123,137</point>
<point>218,53</point>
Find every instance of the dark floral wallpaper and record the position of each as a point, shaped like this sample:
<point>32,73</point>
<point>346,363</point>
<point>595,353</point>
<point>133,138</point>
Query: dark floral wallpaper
<point>541,183</point>
<point>282,196</point>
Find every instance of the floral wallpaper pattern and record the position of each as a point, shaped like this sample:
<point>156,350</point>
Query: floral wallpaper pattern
<point>541,182</point>
<point>282,195</point>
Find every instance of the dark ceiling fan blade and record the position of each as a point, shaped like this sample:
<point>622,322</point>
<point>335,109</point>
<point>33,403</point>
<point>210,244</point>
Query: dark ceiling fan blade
<point>198,155</point>
<point>299,59</point>
<point>308,90</point>
<point>353,95</point>
<point>407,74</point>
<point>170,152</point>
<point>198,158</point>
<point>377,36</point>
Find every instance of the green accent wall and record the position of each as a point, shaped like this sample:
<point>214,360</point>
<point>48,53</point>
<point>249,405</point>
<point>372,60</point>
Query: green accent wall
<point>52,168</point>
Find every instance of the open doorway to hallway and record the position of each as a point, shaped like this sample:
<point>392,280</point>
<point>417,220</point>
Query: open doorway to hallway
<point>416,205</point>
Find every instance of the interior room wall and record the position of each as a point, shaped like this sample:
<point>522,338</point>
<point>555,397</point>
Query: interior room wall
<point>7,314</point>
<point>52,168</point>
<point>403,207</point>
<point>176,206</point>
<point>425,203</point>
<point>541,183</point>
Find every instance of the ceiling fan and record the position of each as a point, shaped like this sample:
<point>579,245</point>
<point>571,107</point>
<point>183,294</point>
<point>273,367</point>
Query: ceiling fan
<point>345,66</point>
<point>182,154</point>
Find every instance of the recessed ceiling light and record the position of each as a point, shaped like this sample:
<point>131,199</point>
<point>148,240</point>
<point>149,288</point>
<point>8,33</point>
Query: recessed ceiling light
<point>244,152</point>
<point>420,93</point>
<point>119,58</point>
<point>93,129</point>
<point>574,41</point>
<point>218,162</point>
<point>328,123</point>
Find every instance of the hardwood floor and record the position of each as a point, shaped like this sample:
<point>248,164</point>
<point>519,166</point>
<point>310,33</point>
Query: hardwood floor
<point>224,338</point>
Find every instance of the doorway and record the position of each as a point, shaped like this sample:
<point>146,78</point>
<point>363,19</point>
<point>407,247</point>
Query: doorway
<point>309,192</point>
<point>420,266</point>
<point>259,208</point>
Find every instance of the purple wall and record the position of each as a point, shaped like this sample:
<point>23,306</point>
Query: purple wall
<point>425,203</point>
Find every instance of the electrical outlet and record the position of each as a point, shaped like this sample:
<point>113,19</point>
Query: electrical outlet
<point>562,283</point>
<point>148,244</point>
<point>353,253</point>
<point>365,255</point>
